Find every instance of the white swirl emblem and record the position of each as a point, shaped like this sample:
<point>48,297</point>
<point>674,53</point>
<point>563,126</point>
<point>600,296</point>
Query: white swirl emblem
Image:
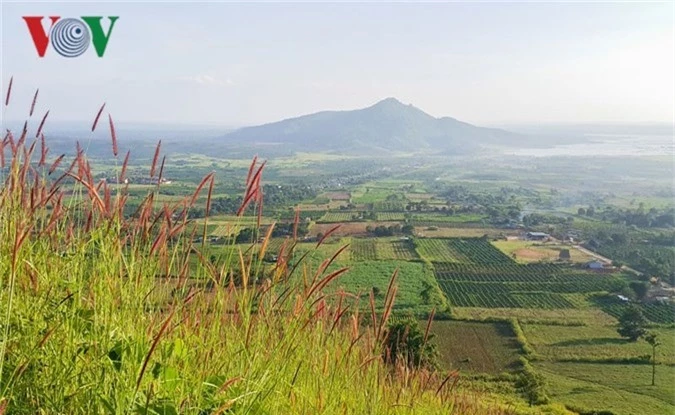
<point>70,37</point>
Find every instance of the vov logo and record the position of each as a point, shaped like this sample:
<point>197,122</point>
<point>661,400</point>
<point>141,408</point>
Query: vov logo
<point>70,37</point>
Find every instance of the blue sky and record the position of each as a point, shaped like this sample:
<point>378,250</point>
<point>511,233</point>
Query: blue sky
<point>237,64</point>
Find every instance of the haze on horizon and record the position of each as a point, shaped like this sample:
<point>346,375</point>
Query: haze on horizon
<point>242,64</point>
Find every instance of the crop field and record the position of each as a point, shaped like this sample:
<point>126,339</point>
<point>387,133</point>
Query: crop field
<point>571,316</point>
<point>478,251</point>
<point>595,343</point>
<point>390,216</point>
<point>518,286</point>
<point>432,224</point>
<point>531,277</point>
<point>389,206</point>
<point>396,249</point>
<point>345,228</point>
<point>656,312</point>
<point>436,250</point>
<point>459,218</point>
<point>621,389</point>
<point>475,347</point>
<point>334,217</point>
<point>371,195</point>
<point>417,289</point>
<point>463,294</point>
<point>461,250</point>
<point>459,232</point>
<point>363,249</point>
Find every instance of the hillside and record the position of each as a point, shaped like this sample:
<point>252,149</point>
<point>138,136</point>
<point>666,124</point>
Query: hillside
<point>389,126</point>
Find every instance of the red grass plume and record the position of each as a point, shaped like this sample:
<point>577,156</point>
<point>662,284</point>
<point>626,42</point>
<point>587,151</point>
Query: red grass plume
<point>32,106</point>
<point>42,124</point>
<point>98,115</point>
<point>9,91</point>
<point>155,159</point>
<point>113,136</point>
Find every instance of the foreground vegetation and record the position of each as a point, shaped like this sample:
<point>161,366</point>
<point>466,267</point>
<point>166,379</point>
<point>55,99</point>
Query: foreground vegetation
<point>196,295</point>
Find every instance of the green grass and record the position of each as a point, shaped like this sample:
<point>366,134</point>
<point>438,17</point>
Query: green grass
<point>595,343</point>
<point>476,347</point>
<point>622,389</point>
<point>115,315</point>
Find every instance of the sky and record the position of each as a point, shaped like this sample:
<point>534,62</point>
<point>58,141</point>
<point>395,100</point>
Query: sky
<point>236,64</point>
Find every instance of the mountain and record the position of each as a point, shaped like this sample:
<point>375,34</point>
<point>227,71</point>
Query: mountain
<point>388,126</point>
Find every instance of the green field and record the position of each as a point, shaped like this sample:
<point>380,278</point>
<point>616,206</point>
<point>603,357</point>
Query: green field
<point>571,316</point>
<point>622,389</point>
<point>661,313</point>
<point>417,289</point>
<point>476,347</point>
<point>335,217</point>
<point>396,250</point>
<point>390,216</point>
<point>363,249</point>
<point>436,250</point>
<point>595,343</point>
<point>519,286</point>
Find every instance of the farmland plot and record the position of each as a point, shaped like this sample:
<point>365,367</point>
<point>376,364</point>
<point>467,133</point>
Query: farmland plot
<point>509,285</point>
<point>662,313</point>
<point>390,216</point>
<point>334,217</point>
<point>363,249</point>
<point>475,347</point>
<point>436,250</point>
<point>478,251</point>
<point>397,250</point>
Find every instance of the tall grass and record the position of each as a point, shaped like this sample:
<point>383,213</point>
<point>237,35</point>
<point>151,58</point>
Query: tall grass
<point>103,313</point>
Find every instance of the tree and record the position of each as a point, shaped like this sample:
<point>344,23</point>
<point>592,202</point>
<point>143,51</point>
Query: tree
<point>632,323</point>
<point>651,338</point>
<point>640,288</point>
<point>406,340</point>
<point>581,212</point>
<point>246,235</point>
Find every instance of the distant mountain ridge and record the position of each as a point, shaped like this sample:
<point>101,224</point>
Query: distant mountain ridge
<point>387,126</point>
